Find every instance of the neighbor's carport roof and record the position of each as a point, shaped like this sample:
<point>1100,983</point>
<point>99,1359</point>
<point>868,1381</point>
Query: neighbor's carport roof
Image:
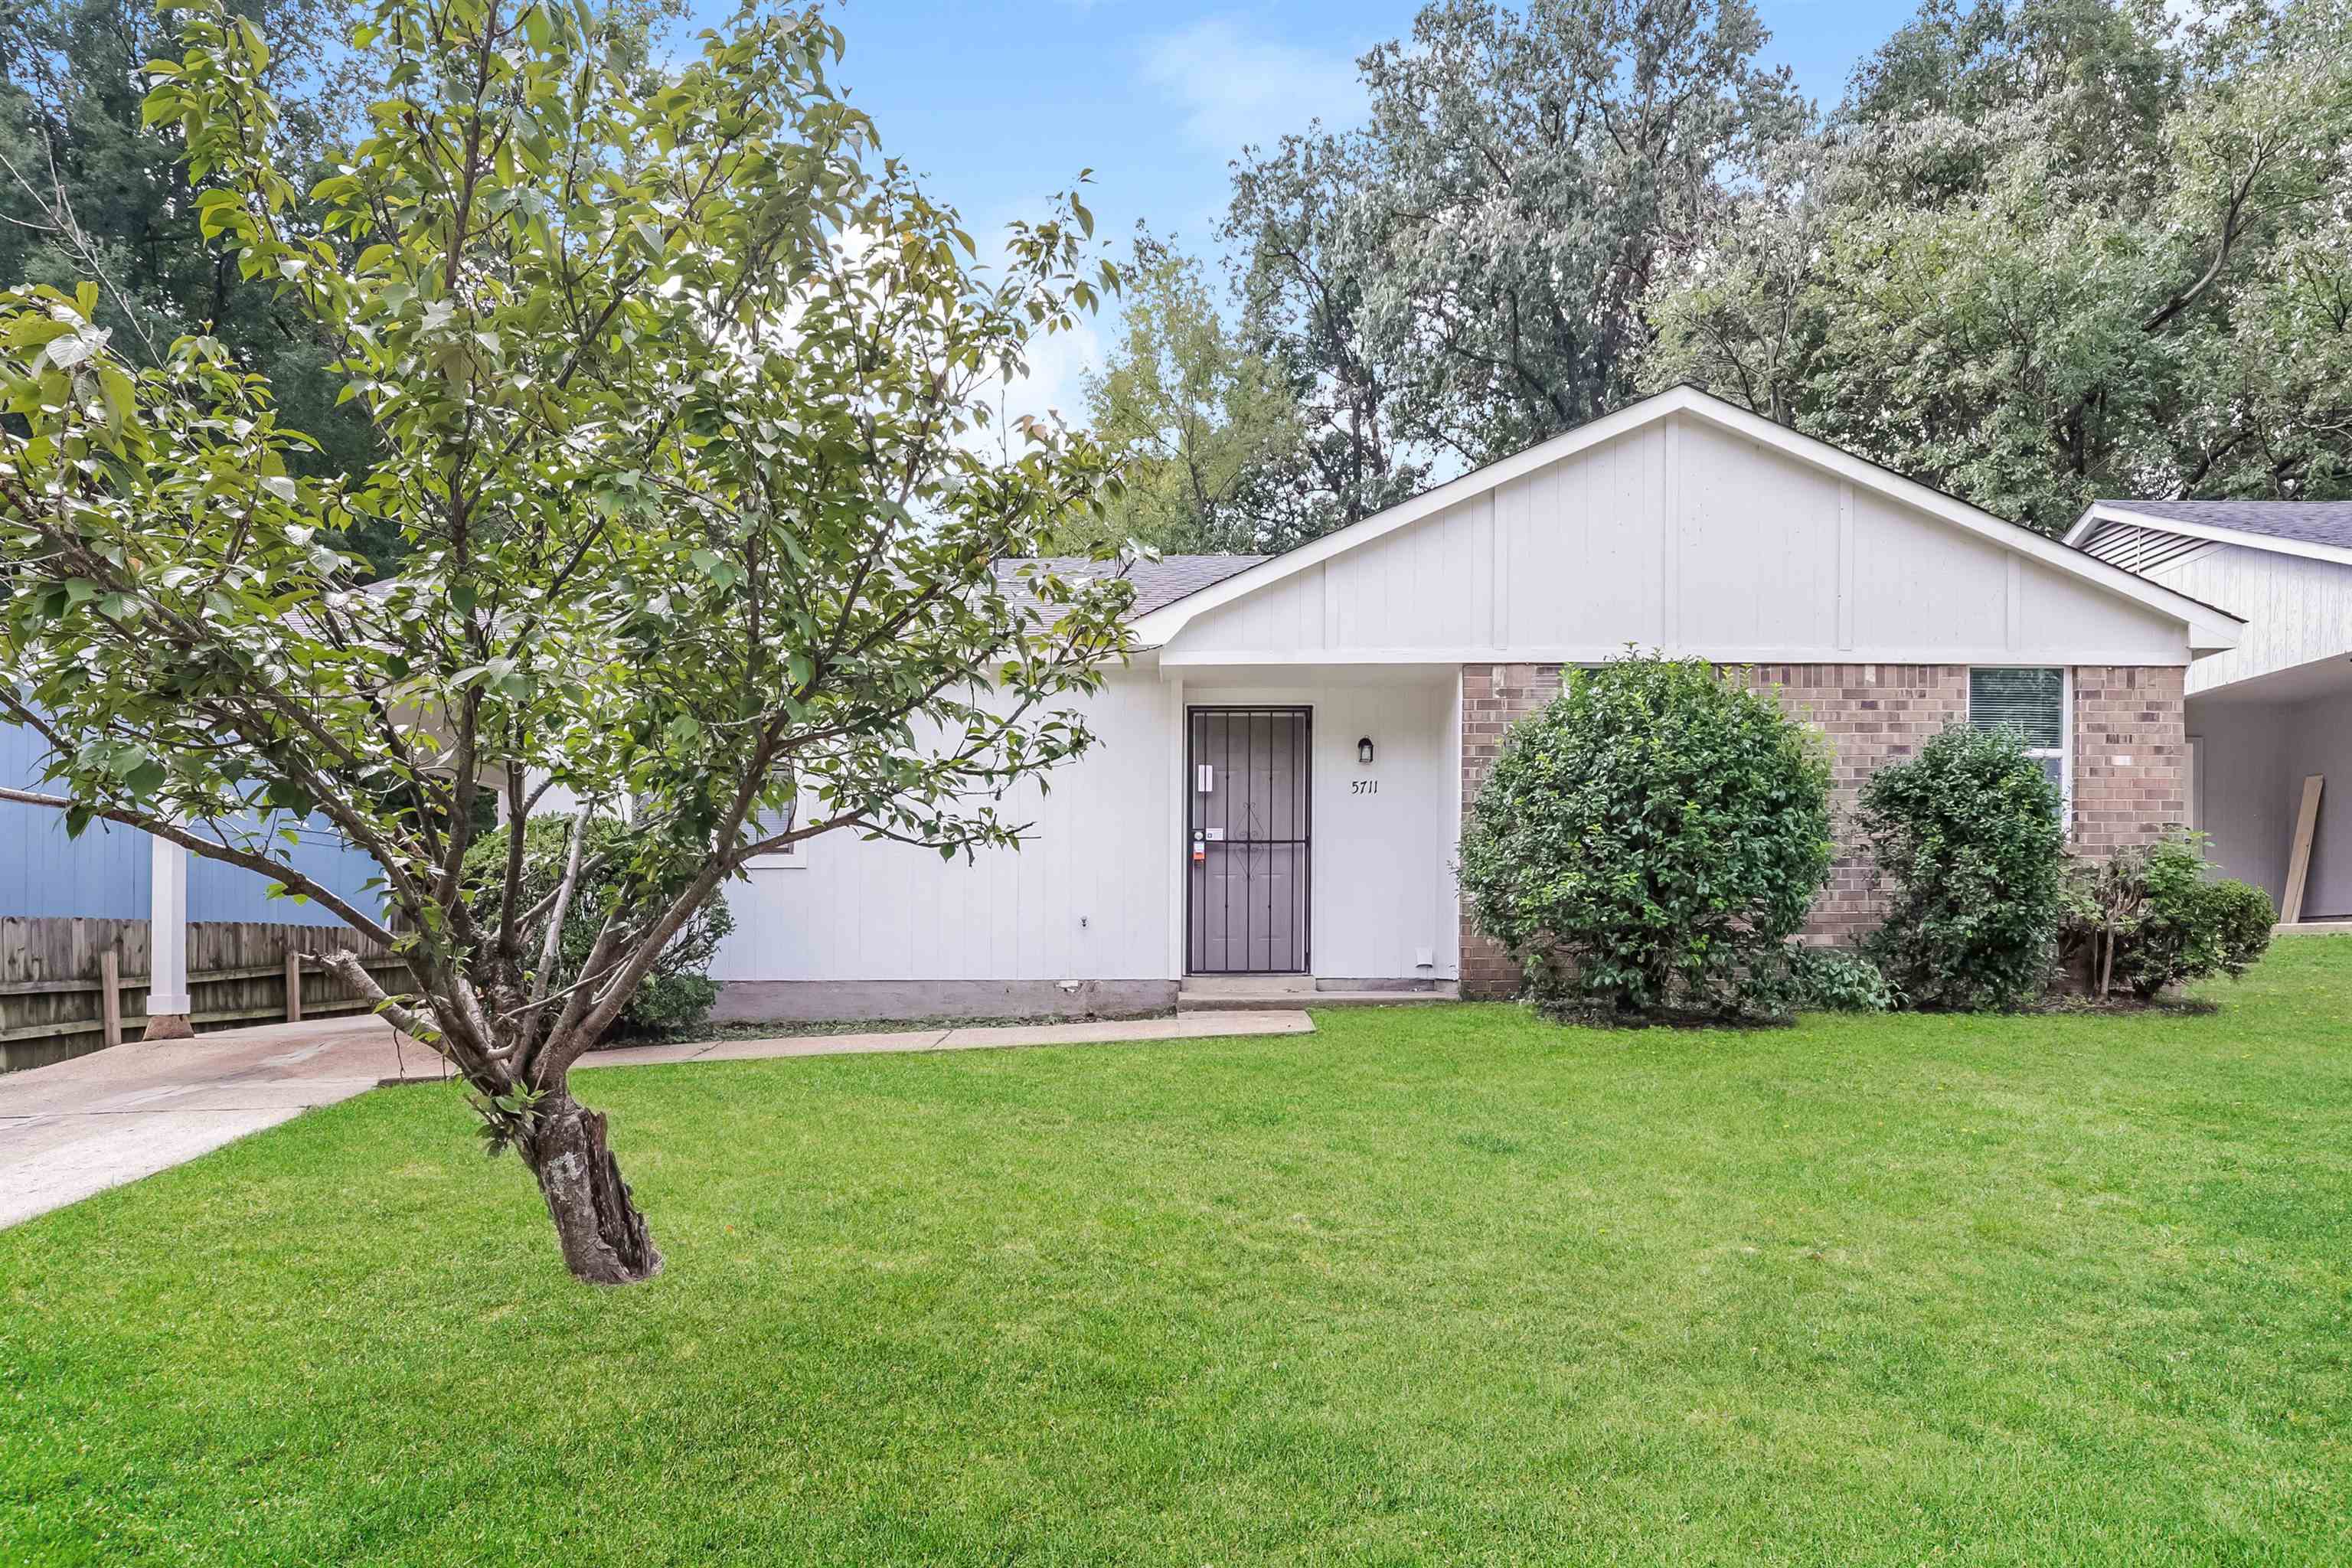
<point>2326,522</point>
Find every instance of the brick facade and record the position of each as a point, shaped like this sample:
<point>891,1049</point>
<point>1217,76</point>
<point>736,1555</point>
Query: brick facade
<point>2128,777</point>
<point>2130,753</point>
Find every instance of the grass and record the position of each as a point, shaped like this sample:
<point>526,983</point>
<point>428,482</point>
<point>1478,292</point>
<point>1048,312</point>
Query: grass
<point>1428,1286</point>
<point>798,1029</point>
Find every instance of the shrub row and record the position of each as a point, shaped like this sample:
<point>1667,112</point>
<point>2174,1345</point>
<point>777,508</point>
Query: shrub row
<point>1647,846</point>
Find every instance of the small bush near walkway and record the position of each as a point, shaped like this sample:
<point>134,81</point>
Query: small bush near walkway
<point>1646,845</point>
<point>679,992</point>
<point>1969,837</point>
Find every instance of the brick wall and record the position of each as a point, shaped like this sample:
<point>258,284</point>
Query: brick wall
<point>1873,714</point>
<point>1493,697</point>
<point>2128,754</point>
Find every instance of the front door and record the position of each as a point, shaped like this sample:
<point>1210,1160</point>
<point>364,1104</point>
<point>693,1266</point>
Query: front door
<point>1247,887</point>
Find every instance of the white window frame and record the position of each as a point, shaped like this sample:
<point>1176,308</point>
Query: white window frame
<point>792,857</point>
<point>2064,750</point>
<point>788,858</point>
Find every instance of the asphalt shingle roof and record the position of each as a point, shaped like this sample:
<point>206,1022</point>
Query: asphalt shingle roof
<point>2304,521</point>
<point>1157,583</point>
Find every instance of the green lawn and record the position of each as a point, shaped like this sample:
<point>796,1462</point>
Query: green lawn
<point>1428,1286</point>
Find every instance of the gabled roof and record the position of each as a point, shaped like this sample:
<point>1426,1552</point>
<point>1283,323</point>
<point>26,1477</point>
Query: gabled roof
<point>2210,627</point>
<point>2319,530</point>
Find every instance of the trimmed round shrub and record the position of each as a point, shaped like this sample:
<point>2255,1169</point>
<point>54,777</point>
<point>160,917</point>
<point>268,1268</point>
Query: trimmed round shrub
<point>1969,837</point>
<point>1646,845</point>
<point>678,990</point>
<point>2155,915</point>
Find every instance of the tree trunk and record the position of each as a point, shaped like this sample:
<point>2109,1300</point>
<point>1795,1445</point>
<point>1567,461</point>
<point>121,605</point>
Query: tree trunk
<point>604,1237</point>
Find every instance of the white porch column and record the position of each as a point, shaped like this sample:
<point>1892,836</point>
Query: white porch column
<point>168,1006</point>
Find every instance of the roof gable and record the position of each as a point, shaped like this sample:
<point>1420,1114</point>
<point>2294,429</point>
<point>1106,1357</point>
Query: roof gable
<point>2205,627</point>
<point>2317,531</point>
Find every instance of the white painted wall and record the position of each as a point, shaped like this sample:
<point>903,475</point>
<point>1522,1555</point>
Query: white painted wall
<point>1097,893</point>
<point>2318,740</point>
<point>1682,535</point>
<point>2244,791</point>
<point>1086,898</point>
<point>2257,756</point>
<point>2296,610</point>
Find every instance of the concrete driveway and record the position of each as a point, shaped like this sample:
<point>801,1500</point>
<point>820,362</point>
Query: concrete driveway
<point>79,1127</point>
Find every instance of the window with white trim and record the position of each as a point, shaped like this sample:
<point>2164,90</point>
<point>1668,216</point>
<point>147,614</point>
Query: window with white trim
<point>2032,700</point>
<point>787,857</point>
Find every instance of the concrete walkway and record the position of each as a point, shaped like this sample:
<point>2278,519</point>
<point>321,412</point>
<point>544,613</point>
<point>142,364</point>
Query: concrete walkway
<point>79,1127</point>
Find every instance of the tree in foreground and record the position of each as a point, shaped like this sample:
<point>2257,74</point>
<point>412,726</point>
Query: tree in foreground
<point>1646,846</point>
<point>1970,838</point>
<point>675,389</point>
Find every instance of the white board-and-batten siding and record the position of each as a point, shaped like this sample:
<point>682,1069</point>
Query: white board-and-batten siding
<point>1085,897</point>
<point>2297,610</point>
<point>1690,538</point>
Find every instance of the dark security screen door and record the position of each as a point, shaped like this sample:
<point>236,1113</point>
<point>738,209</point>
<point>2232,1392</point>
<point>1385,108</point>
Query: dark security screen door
<point>1247,887</point>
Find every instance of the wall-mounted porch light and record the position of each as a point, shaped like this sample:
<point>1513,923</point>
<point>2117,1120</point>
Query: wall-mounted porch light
<point>1364,750</point>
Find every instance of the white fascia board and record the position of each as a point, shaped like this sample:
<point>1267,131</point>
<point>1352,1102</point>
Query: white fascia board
<point>1161,625</point>
<point>1599,653</point>
<point>2099,513</point>
<point>2210,630</point>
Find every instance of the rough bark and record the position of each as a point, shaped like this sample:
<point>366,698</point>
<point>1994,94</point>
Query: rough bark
<point>604,1237</point>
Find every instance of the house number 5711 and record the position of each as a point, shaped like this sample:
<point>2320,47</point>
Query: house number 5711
<point>1363,786</point>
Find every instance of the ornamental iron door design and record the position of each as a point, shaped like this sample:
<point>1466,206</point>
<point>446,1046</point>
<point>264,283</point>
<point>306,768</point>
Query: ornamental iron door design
<point>1247,890</point>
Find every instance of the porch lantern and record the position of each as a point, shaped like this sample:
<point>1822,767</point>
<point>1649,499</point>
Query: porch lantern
<point>1364,750</point>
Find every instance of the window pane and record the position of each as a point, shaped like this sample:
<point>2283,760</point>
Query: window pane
<point>2032,700</point>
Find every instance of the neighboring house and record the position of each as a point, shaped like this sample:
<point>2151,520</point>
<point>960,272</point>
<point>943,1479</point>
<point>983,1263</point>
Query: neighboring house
<point>112,872</point>
<point>107,872</point>
<point>2276,708</point>
<point>1282,768</point>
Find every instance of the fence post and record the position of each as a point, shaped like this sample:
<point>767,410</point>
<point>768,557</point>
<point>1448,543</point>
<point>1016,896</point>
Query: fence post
<point>109,997</point>
<point>294,987</point>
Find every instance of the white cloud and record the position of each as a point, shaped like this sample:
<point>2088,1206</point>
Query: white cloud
<point>1235,88</point>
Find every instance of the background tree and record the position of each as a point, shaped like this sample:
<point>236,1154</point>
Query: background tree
<point>1297,225</point>
<point>87,189</point>
<point>1527,169</point>
<point>2050,251</point>
<point>1466,274</point>
<point>1192,418</point>
<point>674,397</point>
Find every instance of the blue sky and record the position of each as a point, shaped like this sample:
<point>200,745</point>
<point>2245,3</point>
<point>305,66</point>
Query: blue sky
<point>1002,104</point>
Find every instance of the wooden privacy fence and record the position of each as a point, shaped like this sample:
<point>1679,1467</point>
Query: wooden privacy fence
<point>71,987</point>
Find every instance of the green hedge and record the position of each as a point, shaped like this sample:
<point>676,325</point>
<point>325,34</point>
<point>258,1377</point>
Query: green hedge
<point>1968,838</point>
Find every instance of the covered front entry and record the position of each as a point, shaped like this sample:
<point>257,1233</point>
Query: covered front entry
<point>1249,891</point>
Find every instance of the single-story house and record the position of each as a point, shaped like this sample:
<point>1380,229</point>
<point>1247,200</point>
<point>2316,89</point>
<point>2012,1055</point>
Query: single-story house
<point>1283,765</point>
<point>2275,711</point>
